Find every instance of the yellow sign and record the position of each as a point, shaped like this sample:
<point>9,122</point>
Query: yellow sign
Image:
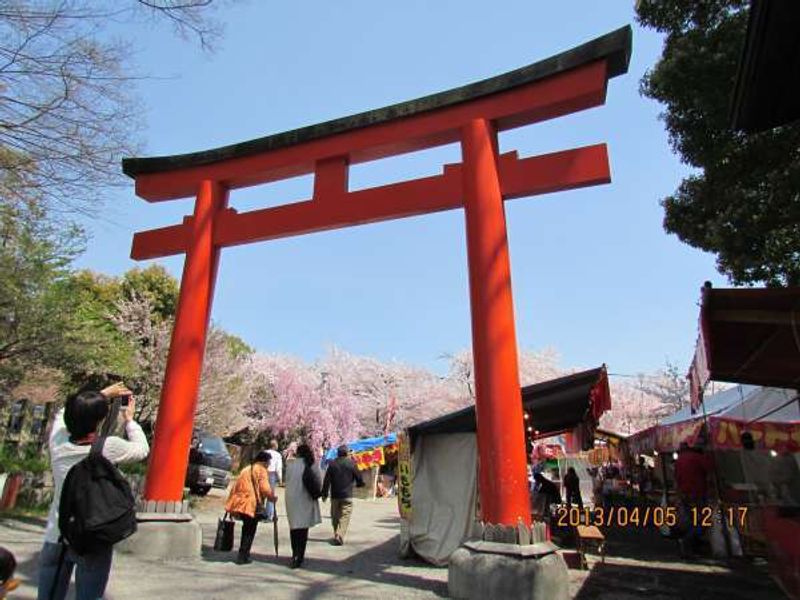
<point>369,458</point>
<point>404,475</point>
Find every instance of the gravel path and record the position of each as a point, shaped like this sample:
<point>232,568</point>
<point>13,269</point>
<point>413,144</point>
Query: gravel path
<point>640,565</point>
<point>367,566</point>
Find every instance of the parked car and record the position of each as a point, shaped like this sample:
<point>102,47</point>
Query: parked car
<point>209,464</point>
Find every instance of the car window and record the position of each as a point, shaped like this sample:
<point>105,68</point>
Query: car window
<point>213,444</point>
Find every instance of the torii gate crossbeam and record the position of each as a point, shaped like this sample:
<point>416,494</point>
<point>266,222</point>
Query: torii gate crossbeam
<point>472,116</point>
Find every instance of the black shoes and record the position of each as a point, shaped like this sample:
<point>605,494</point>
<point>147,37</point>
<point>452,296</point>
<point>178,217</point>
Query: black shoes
<point>296,563</point>
<point>243,560</point>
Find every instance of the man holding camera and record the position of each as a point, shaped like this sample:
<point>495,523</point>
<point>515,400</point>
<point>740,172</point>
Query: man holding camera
<point>75,429</point>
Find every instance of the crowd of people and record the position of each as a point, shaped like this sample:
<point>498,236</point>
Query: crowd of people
<point>693,474</point>
<point>253,497</point>
<point>82,455</point>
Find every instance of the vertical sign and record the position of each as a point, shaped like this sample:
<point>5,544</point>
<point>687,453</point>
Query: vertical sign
<point>404,475</point>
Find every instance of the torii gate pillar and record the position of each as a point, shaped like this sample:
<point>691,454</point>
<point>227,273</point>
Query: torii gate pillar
<point>498,402</point>
<point>168,459</point>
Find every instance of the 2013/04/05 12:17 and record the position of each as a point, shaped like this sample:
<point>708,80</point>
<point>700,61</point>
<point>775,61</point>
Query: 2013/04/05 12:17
<point>657,516</point>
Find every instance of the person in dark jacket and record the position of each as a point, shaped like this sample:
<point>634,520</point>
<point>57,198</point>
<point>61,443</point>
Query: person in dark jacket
<point>548,489</point>
<point>572,488</point>
<point>339,479</point>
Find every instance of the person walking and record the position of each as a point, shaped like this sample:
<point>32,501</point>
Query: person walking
<point>692,471</point>
<point>340,476</point>
<point>246,501</point>
<point>548,491</point>
<point>275,472</point>
<point>303,489</point>
<point>74,431</point>
<point>572,487</point>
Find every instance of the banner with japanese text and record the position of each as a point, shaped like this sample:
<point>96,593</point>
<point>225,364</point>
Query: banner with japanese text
<point>404,475</point>
<point>726,434</point>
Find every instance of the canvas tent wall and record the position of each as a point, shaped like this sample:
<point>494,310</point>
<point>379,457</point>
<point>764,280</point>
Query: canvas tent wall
<point>444,495</point>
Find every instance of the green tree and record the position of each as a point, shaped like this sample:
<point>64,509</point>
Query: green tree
<point>96,350</point>
<point>743,200</point>
<point>156,285</point>
<point>228,380</point>
<point>35,255</point>
<point>236,346</point>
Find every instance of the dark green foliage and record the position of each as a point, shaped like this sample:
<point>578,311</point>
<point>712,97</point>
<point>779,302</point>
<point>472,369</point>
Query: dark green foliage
<point>24,460</point>
<point>743,203</point>
<point>35,255</point>
<point>98,354</point>
<point>156,285</point>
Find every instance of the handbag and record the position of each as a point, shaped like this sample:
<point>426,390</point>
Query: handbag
<point>224,540</point>
<point>261,507</point>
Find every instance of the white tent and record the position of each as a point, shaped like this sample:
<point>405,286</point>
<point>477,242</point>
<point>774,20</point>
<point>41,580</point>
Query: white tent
<point>745,403</point>
<point>444,489</point>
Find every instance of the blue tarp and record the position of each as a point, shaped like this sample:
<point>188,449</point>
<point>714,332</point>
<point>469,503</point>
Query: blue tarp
<point>365,444</point>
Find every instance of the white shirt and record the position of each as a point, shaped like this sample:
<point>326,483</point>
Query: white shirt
<point>64,454</point>
<point>276,464</point>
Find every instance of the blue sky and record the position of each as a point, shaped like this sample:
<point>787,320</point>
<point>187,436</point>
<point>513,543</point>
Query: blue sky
<point>593,273</point>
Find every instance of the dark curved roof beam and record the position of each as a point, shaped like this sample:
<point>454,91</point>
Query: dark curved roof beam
<point>567,82</point>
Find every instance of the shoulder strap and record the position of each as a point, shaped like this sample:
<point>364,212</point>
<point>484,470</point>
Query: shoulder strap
<point>61,554</point>
<point>97,446</point>
<point>255,486</point>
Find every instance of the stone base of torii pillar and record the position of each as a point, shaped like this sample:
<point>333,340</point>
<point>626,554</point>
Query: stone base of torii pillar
<point>165,531</point>
<point>508,569</point>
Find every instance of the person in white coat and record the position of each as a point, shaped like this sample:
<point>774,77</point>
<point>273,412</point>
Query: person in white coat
<point>303,489</point>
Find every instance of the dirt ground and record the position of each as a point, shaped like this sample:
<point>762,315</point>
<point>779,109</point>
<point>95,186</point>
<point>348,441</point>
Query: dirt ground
<point>639,564</point>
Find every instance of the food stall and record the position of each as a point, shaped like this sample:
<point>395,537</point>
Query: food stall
<point>371,456</point>
<point>752,336</point>
<point>440,512</point>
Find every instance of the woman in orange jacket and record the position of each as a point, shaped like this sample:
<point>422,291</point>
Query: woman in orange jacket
<point>246,501</point>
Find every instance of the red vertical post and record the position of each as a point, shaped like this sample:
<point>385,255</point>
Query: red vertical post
<point>173,435</point>
<point>501,439</point>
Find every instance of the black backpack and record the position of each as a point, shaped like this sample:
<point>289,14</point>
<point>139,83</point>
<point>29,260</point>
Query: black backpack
<point>96,508</point>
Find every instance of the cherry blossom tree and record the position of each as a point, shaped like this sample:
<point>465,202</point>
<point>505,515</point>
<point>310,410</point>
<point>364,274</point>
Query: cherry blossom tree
<point>342,396</point>
<point>134,319</point>
<point>227,384</point>
<point>633,408</point>
<point>297,404</point>
<point>534,367</point>
<point>388,395</point>
<point>670,385</point>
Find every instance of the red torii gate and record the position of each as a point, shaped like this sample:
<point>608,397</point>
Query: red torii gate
<point>471,115</point>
